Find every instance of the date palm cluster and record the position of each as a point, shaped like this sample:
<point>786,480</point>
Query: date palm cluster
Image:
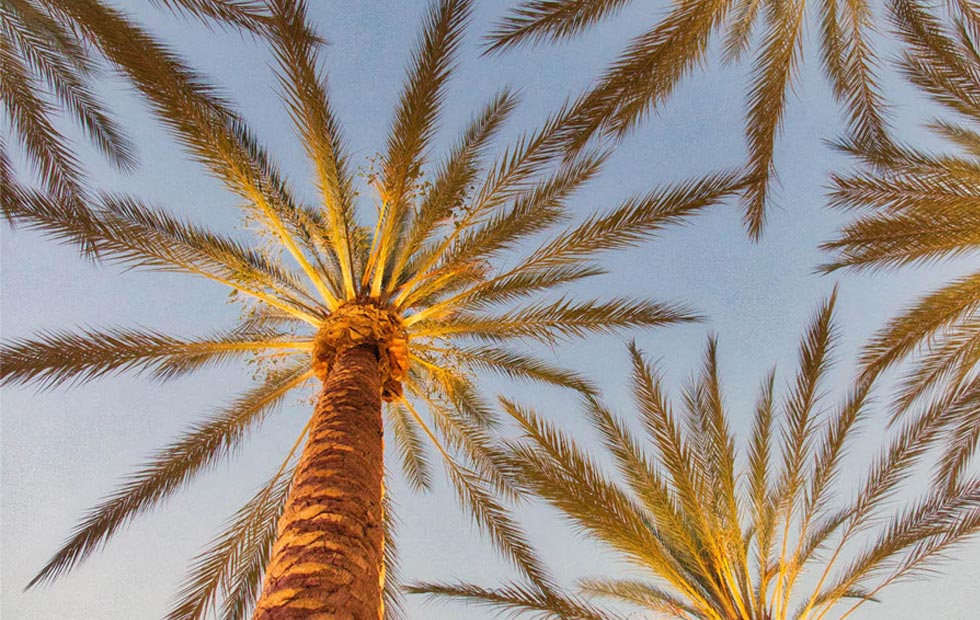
<point>446,268</point>
<point>425,267</point>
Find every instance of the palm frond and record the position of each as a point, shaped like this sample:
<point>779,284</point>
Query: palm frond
<point>61,357</point>
<point>663,429</point>
<point>233,564</point>
<point>247,14</point>
<point>489,513</point>
<point>549,20</point>
<point>452,181</point>
<point>553,465</point>
<point>948,359</point>
<point>30,118</point>
<point>935,61</point>
<point>853,74</point>
<point>516,365</point>
<point>125,231</point>
<point>636,219</point>
<point>764,517</point>
<point>392,593</point>
<point>512,173</point>
<point>414,125</point>
<point>649,486</point>
<point>961,411</point>
<point>937,523</point>
<point>801,423</point>
<point>203,122</point>
<point>538,209</point>
<point>548,322</point>
<point>535,210</point>
<point>641,594</point>
<point>772,77</point>
<point>66,69</point>
<point>515,598</point>
<point>744,16</point>
<point>646,72</point>
<point>411,448</point>
<point>172,468</point>
<point>917,323</point>
<point>305,94</point>
<point>912,238</point>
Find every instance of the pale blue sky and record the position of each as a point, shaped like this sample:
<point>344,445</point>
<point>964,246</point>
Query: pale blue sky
<point>62,450</point>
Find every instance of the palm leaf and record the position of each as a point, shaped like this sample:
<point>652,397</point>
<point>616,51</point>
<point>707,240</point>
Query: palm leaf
<point>411,447</point>
<point>932,312</point>
<point>564,318</point>
<point>246,14</point>
<point>772,76</point>
<point>552,20</point>
<point>235,560</point>
<point>172,468</point>
<point>414,125</point>
<point>659,57</point>
<point>542,604</point>
<point>641,594</point>
<point>295,46</point>
<point>31,123</point>
<point>61,357</point>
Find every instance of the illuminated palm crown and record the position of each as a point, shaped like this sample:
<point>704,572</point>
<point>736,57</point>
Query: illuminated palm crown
<point>919,208</point>
<point>649,69</point>
<point>421,282</point>
<point>714,535</point>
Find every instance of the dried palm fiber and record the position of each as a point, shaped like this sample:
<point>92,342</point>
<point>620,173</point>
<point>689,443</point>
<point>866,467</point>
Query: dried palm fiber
<point>354,324</point>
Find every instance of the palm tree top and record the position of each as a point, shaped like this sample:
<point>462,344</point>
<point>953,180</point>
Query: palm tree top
<point>422,282</point>
<point>714,532</point>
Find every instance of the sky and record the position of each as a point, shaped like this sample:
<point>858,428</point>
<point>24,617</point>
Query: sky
<point>64,449</point>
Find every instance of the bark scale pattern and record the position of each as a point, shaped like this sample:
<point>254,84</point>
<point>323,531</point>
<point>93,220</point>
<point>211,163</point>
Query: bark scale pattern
<point>327,562</point>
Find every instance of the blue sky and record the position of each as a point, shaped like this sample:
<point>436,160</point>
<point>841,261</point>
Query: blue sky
<point>64,449</point>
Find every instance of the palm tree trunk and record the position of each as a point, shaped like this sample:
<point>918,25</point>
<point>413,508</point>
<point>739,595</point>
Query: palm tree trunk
<point>327,561</point>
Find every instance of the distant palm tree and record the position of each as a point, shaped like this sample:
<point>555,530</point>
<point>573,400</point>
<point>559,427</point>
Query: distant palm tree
<point>403,312</point>
<point>920,208</point>
<point>718,536</point>
<point>48,62</point>
<point>646,73</point>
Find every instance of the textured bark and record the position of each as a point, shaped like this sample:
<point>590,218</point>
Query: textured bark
<point>327,561</point>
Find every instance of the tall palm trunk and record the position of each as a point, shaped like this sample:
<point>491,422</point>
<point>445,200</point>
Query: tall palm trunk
<point>328,558</point>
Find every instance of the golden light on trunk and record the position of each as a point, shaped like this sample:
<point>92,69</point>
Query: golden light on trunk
<point>328,560</point>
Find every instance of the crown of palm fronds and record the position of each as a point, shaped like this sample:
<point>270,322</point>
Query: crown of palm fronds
<point>718,536</point>
<point>920,208</point>
<point>648,70</point>
<point>48,63</point>
<point>429,262</point>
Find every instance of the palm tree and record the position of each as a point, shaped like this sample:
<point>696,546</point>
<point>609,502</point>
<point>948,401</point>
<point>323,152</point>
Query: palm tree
<point>48,62</point>
<point>403,312</point>
<point>649,69</point>
<point>725,537</point>
<point>916,208</point>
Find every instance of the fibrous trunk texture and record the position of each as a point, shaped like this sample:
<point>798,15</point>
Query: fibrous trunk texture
<point>328,559</point>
